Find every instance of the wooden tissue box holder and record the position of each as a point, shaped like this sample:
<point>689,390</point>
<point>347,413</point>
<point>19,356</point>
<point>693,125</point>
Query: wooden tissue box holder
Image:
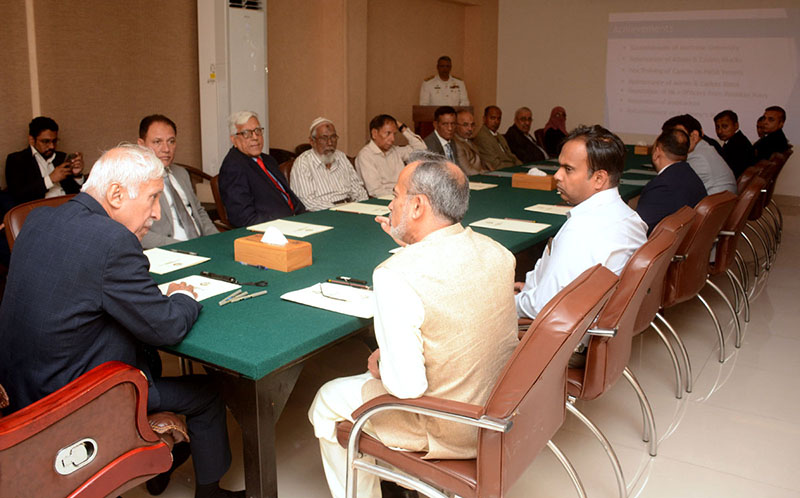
<point>524,180</point>
<point>250,250</point>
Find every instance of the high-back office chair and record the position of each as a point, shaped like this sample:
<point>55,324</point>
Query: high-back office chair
<point>286,169</point>
<point>524,410</point>
<point>16,216</point>
<point>755,214</point>
<point>90,438</point>
<point>686,276</point>
<point>224,223</point>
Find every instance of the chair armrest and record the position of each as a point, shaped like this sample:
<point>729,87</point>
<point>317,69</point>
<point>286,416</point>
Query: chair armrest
<point>194,171</point>
<point>222,226</point>
<point>727,233</point>
<point>603,332</point>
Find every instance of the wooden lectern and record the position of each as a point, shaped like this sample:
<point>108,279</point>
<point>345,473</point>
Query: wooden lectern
<point>422,115</point>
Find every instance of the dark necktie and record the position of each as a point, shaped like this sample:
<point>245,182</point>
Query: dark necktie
<point>184,218</point>
<point>277,184</point>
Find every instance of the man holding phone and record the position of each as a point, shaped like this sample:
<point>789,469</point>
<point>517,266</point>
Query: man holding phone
<point>39,170</point>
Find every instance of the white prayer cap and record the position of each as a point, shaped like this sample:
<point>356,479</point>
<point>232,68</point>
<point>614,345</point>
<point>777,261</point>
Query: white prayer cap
<point>320,120</point>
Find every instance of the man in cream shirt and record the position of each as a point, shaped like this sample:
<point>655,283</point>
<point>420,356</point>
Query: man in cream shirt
<point>380,161</point>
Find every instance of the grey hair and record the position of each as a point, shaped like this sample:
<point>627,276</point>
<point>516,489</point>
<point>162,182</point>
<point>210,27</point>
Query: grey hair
<point>239,118</point>
<point>447,191</point>
<point>127,164</point>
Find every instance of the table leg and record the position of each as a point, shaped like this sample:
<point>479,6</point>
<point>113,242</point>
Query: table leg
<point>257,405</point>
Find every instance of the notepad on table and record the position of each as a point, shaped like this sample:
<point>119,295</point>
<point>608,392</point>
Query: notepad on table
<point>510,225</point>
<point>337,298</point>
<point>163,261</point>
<point>481,186</point>
<point>204,287</point>
<point>362,208</point>
<point>549,209</point>
<point>291,228</point>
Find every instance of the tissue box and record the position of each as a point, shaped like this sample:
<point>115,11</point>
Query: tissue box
<point>524,180</point>
<point>250,250</point>
<point>641,150</point>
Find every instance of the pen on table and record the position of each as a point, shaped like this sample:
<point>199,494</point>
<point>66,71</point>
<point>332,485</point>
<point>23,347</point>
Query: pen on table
<point>247,296</point>
<point>227,299</point>
<point>518,219</point>
<point>190,253</point>
<point>351,279</point>
<point>349,284</point>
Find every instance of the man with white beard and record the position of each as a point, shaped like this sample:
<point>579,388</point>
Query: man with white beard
<point>323,176</point>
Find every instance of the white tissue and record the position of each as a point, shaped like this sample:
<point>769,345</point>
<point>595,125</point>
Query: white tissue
<point>641,143</point>
<point>536,172</point>
<point>274,237</point>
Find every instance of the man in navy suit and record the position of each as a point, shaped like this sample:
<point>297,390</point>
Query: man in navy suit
<point>79,294</point>
<point>737,150</point>
<point>252,187</point>
<point>676,185</point>
<point>39,170</point>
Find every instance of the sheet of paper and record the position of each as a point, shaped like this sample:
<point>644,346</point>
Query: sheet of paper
<point>500,174</point>
<point>334,297</point>
<point>481,186</point>
<point>549,209</point>
<point>291,228</point>
<point>510,225</point>
<point>543,167</point>
<point>387,197</point>
<point>362,208</point>
<point>204,287</point>
<point>637,183</point>
<point>163,261</point>
<point>642,171</point>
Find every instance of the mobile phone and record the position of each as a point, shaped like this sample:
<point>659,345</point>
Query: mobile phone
<point>70,157</point>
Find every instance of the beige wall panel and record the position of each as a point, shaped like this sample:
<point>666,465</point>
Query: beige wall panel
<point>552,52</point>
<point>15,103</point>
<point>105,65</point>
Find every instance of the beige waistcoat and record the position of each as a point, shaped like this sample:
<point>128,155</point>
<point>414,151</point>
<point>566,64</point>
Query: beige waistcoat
<point>465,282</point>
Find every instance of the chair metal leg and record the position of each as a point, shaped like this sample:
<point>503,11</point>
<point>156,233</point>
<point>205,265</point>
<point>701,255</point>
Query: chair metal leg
<point>684,353</point>
<point>778,226</point>
<point>742,267</point>
<point>391,475</point>
<point>612,455</point>
<point>763,243</point>
<point>717,326</point>
<point>769,236</point>
<point>778,212</point>
<point>675,365</point>
<point>576,481</point>
<point>736,306</point>
<point>756,261</point>
<point>736,323</point>
<point>647,411</point>
<point>735,281</point>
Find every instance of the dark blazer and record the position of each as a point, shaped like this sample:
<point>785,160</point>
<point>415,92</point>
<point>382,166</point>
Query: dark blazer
<point>771,143</point>
<point>739,153</point>
<point>674,188</point>
<point>249,195</point>
<point>434,145</point>
<point>25,182</point>
<point>522,147</point>
<point>79,294</point>
<point>552,141</point>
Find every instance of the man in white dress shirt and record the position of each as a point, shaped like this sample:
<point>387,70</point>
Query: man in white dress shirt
<point>182,215</point>
<point>380,161</point>
<point>601,228</point>
<point>323,176</point>
<point>704,160</point>
<point>443,89</point>
<point>424,294</point>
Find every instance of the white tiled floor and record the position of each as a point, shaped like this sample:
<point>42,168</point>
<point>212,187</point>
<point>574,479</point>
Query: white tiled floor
<point>735,435</point>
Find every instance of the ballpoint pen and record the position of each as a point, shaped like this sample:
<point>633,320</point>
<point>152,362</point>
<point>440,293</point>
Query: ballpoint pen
<point>349,284</point>
<point>247,296</point>
<point>190,253</point>
<point>236,293</point>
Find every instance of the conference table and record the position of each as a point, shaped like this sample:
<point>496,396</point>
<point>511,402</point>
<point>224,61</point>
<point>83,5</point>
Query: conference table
<point>256,348</point>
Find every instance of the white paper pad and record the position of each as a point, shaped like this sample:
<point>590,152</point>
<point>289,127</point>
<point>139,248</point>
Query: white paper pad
<point>388,197</point>
<point>204,287</point>
<point>500,174</point>
<point>637,183</point>
<point>291,228</point>
<point>543,167</point>
<point>642,171</point>
<point>163,261</point>
<point>481,186</point>
<point>334,297</point>
<point>510,225</point>
<point>362,208</point>
<point>549,209</point>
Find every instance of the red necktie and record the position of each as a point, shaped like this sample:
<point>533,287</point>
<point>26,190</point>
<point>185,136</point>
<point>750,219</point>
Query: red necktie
<point>276,183</point>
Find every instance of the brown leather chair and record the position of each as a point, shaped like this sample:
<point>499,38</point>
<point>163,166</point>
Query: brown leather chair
<point>102,418</point>
<point>753,223</point>
<point>677,223</point>
<point>15,216</point>
<point>525,408</point>
<point>687,273</point>
<point>780,159</point>
<point>286,169</point>
<point>223,224</point>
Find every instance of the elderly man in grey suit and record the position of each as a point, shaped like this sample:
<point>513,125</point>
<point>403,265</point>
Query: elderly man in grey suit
<point>182,215</point>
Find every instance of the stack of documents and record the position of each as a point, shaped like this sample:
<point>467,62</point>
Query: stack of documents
<point>334,297</point>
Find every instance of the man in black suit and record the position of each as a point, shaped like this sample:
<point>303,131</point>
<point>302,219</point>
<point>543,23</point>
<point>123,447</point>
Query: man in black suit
<point>40,171</point>
<point>79,294</point>
<point>444,127</point>
<point>252,187</point>
<point>737,150</point>
<point>676,185</point>
<point>519,138</point>
<point>774,140</point>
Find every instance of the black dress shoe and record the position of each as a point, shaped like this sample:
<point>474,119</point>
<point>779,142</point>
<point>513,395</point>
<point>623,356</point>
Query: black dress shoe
<point>390,489</point>
<point>157,485</point>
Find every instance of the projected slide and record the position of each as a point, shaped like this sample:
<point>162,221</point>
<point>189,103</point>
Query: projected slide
<point>660,64</point>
